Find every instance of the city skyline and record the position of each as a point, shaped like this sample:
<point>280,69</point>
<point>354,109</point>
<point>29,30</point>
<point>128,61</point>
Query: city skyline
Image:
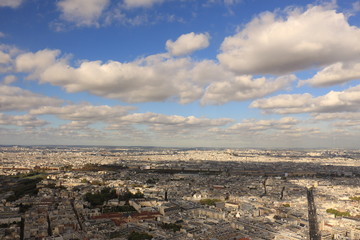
<point>232,73</point>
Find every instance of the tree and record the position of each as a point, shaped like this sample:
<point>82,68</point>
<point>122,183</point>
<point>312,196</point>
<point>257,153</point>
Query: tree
<point>209,202</point>
<point>139,236</point>
<point>338,213</point>
<point>171,226</point>
<point>98,198</point>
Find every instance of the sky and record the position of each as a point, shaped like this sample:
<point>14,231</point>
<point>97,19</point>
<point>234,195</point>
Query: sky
<point>180,73</point>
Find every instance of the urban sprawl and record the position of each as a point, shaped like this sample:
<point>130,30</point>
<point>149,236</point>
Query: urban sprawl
<point>173,193</point>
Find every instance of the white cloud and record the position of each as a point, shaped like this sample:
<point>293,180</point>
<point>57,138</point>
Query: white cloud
<point>169,125</point>
<point>83,112</point>
<point>17,99</point>
<point>7,53</point>
<point>150,79</point>
<point>155,118</point>
<point>140,3</point>
<point>146,79</point>
<point>347,124</point>
<point>276,45</point>
<point>9,79</point>
<point>343,101</point>
<point>37,62</point>
<point>10,3</point>
<point>75,125</point>
<point>243,88</point>
<point>334,74</point>
<point>2,34</point>
<point>307,132</point>
<point>269,132</point>
<point>263,125</point>
<point>187,43</point>
<point>337,116</point>
<point>82,12</point>
<point>21,120</point>
<point>4,58</point>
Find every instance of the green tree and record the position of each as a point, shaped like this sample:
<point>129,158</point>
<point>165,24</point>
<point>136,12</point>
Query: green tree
<point>98,198</point>
<point>355,198</point>
<point>139,236</point>
<point>171,226</point>
<point>209,201</point>
<point>338,213</point>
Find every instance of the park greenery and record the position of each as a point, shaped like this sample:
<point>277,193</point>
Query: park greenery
<point>152,180</point>
<point>32,175</point>
<point>23,187</point>
<point>338,213</point>
<point>98,198</point>
<point>171,226</point>
<point>209,201</point>
<point>139,236</point>
<point>98,167</point>
<point>355,198</point>
<point>125,208</point>
<point>68,167</point>
<point>126,196</point>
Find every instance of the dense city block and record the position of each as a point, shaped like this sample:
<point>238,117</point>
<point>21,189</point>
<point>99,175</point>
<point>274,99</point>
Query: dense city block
<point>173,193</point>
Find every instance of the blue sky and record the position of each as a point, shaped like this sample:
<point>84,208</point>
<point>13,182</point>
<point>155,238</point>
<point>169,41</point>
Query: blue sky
<point>211,73</point>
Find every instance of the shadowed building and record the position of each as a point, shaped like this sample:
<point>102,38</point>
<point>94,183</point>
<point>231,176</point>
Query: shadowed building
<point>313,225</point>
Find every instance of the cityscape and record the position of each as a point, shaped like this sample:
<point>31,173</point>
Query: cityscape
<point>68,192</point>
<point>180,119</point>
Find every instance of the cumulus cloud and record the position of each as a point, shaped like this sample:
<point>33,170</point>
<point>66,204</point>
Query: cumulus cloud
<point>170,125</point>
<point>251,124</point>
<point>146,79</point>
<point>4,58</point>
<point>9,79</point>
<point>155,118</point>
<point>17,99</point>
<point>341,121</point>
<point>342,101</point>
<point>263,125</point>
<point>10,3</point>
<point>7,53</point>
<point>337,116</point>
<point>140,3</point>
<point>154,78</point>
<point>21,120</point>
<point>37,63</point>
<point>82,12</point>
<point>334,74</point>
<point>75,125</point>
<point>83,112</point>
<point>347,124</point>
<point>188,43</point>
<point>243,88</point>
<point>308,132</point>
<point>262,131</point>
<point>5,62</point>
<point>271,44</point>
